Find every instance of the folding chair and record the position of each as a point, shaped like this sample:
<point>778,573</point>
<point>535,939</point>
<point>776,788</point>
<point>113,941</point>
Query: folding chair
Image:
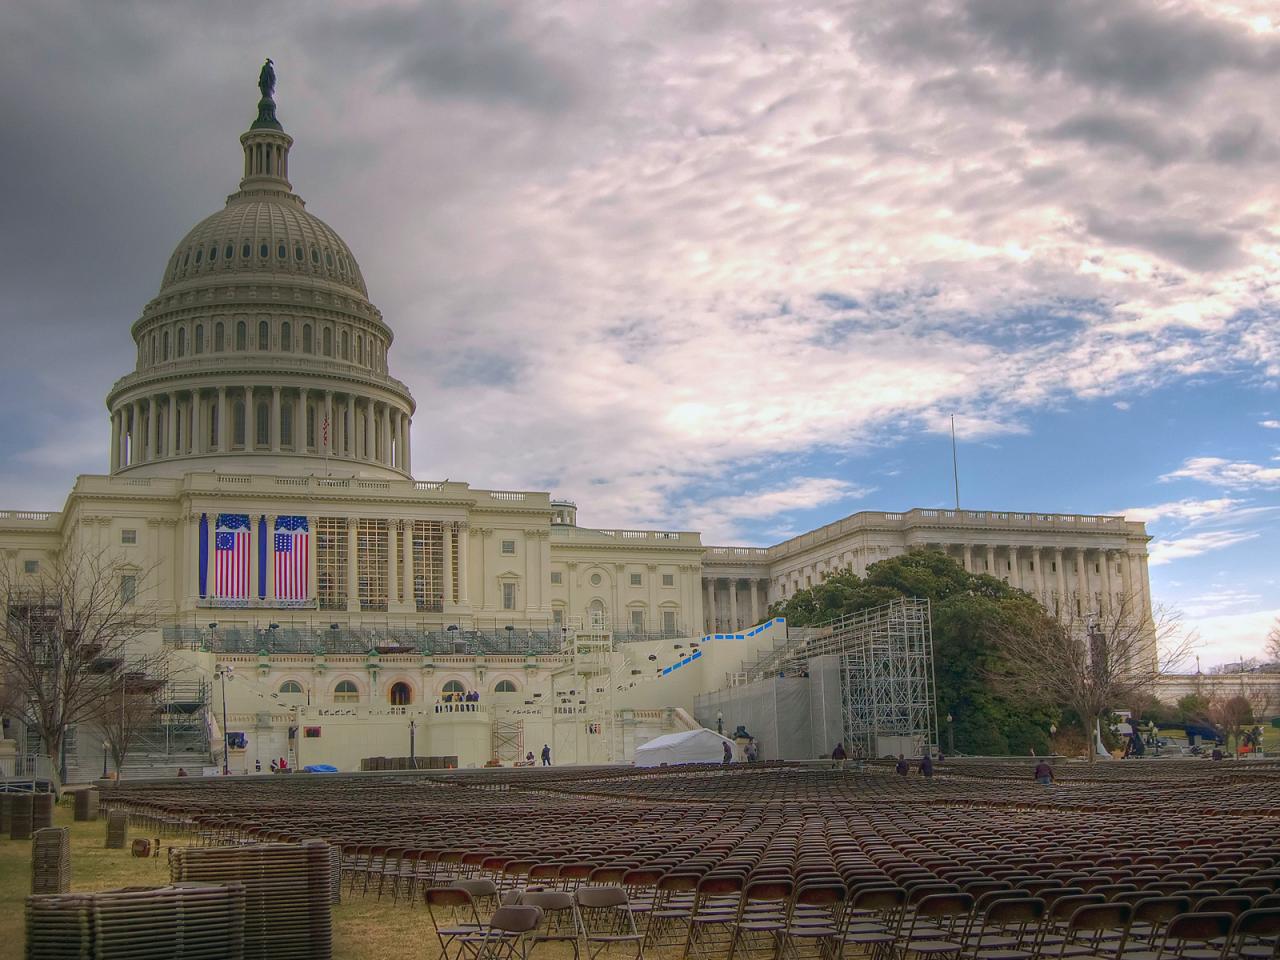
<point>605,920</point>
<point>1256,935</point>
<point>559,920</point>
<point>454,919</point>
<point>763,913</point>
<point>507,934</point>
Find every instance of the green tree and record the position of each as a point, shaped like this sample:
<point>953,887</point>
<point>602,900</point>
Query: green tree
<point>965,606</point>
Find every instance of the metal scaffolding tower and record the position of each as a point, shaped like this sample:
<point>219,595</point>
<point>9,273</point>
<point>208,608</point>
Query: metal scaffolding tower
<point>886,675</point>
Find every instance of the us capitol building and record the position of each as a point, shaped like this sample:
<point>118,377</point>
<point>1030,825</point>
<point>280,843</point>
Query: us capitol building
<point>261,503</point>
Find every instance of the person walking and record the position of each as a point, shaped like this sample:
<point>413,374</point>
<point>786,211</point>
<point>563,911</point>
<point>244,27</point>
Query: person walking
<point>546,754</point>
<point>839,753</point>
<point>728,752</point>
<point>902,768</point>
<point>1044,773</point>
<point>753,751</point>
<point>926,765</point>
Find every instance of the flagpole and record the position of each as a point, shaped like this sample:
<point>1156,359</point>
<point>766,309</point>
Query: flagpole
<point>955,463</point>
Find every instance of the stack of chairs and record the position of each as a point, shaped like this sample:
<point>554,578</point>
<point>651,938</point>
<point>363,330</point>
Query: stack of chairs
<point>51,860</point>
<point>42,810</point>
<point>288,893</point>
<point>117,829</point>
<point>21,810</point>
<point>86,805</point>
<point>189,921</point>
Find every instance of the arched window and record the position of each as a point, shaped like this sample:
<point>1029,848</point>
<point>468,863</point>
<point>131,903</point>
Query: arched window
<point>597,614</point>
<point>311,425</point>
<point>264,335</point>
<point>359,349</point>
<point>346,692</point>
<point>308,344</point>
<point>504,686</point>
<point>401,694</point>
<point>153,348</point>
<point>164,348</point>
<point>263,425</point>
<point>219,341</point>
<point>291,690</point>
<point>453,686</point>
<point>182,341</point>
<point>242,335</point>
<point>286,336</point>
<point>286,424</point>
<point>346,345</point>
<point>328,341</point>
<point>237,428</point>
<point>197,344</point>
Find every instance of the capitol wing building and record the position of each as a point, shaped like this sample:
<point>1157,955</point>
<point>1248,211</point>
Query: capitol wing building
<point>261,504</point>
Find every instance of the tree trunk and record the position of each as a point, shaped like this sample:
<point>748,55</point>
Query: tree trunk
<point>1091,739</point>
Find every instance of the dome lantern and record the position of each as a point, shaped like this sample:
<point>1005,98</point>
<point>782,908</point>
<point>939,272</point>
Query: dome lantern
<point>266,145</point>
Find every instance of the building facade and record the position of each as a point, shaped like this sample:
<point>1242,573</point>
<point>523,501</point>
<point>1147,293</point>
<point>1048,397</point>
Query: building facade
<point>260,503</point>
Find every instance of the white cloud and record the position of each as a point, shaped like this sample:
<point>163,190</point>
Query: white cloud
<point>1167,551</point>
<point>1229,637</point>
<point>1270,424</point>
<point>1122,405</point>
<point>720,518</point>
<point>1229,474</point>
<point>1181,510</point>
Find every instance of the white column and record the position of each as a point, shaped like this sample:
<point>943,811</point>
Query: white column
<point>408,444</point>
<point>328,416</point>
<point>300,438</point>
<point>115,441</point>
<point>968,557</point>
<point>1015,573</point>
<point>464,554</point>
<point>223,445</point>
<point>386,434</point>
<point>191,563</point>
<point>406,596</point>
<point>199,429</point>
<point>349,428</point>
<point>755,602</point>
<point>369,449</point>
<point>710,614</point>
<point>991,561</point>
<point>1082,582</point>
<point>275,419</point>
<point>447,586</point>
<point>1037,557</point>
<point>152,410</point>
<point>171,426</point>
<point>353,567</point>
<point>393,563</point>
<point>733,604</point>
<point>1107,599</point>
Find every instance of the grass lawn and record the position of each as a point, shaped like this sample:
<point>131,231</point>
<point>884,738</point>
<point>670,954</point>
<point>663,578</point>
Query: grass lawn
<point>362,929</point>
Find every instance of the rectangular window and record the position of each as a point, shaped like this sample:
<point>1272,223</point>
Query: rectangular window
<point>508,546</point>
<point>428,565</point>
<point>371,558</point>
<point>637,621</point>
<point>508,596</point>
<point>635,579</point>
<point>669,622</point>
<point>557,616</point>
<point>557,576</point>
<point>128,588</point>
<point>668,579</point>
<point>30,566</point>
<point>128,536</point>
<point>331,563</point>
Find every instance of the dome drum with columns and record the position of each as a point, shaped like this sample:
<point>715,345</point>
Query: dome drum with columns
<point>261,342</point>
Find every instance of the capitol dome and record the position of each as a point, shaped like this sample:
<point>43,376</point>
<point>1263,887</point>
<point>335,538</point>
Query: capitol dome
<point>261,353</point>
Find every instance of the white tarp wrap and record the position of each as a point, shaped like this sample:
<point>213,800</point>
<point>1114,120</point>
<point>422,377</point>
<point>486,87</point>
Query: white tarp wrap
<point>687,746</point>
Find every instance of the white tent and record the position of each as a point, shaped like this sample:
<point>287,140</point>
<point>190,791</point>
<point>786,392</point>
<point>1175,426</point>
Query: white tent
<point>687,746</point>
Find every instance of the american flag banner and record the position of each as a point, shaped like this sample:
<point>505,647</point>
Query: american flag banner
<point>231,557</point>
<point>293,554</point>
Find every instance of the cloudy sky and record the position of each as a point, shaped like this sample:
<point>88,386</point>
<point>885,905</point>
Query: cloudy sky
<point>722,265</point>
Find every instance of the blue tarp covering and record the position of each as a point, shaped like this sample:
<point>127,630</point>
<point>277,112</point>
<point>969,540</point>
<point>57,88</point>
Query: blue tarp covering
<point>319,768</point>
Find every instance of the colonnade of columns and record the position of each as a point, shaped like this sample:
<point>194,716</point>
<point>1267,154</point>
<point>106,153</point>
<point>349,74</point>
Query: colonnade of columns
<point>1095,579</point>
<point>264,419</point>
<point>401,567</point>
<point>734,603</point>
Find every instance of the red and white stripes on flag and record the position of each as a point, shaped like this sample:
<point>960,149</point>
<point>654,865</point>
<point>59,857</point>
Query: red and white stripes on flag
<point>292,556</point>
<point>231,557</point>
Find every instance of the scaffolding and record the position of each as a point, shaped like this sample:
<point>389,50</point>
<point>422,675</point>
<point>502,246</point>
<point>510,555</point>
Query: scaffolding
<point>582,696</point>
<point>886,675</point>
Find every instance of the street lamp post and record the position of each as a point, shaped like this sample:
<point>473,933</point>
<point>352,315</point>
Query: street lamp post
<point>223,672</point>
<point>413,762</point>
<point>105,745</point>
<point>951,735</point>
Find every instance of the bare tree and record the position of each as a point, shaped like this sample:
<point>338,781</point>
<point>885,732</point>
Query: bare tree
<point>1233,714</point>
<point>65,634</point>
<point>1273,642</point>
<point>132,704</point>
<point>1090,664</point>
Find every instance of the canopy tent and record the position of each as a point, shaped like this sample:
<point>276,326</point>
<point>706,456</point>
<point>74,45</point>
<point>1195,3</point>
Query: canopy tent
<point>687,746</point>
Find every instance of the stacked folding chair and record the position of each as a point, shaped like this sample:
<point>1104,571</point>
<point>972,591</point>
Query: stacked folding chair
<point>51,861</point>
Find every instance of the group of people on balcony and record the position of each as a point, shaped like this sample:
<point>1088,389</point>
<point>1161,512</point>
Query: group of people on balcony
<point>454,701</point>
